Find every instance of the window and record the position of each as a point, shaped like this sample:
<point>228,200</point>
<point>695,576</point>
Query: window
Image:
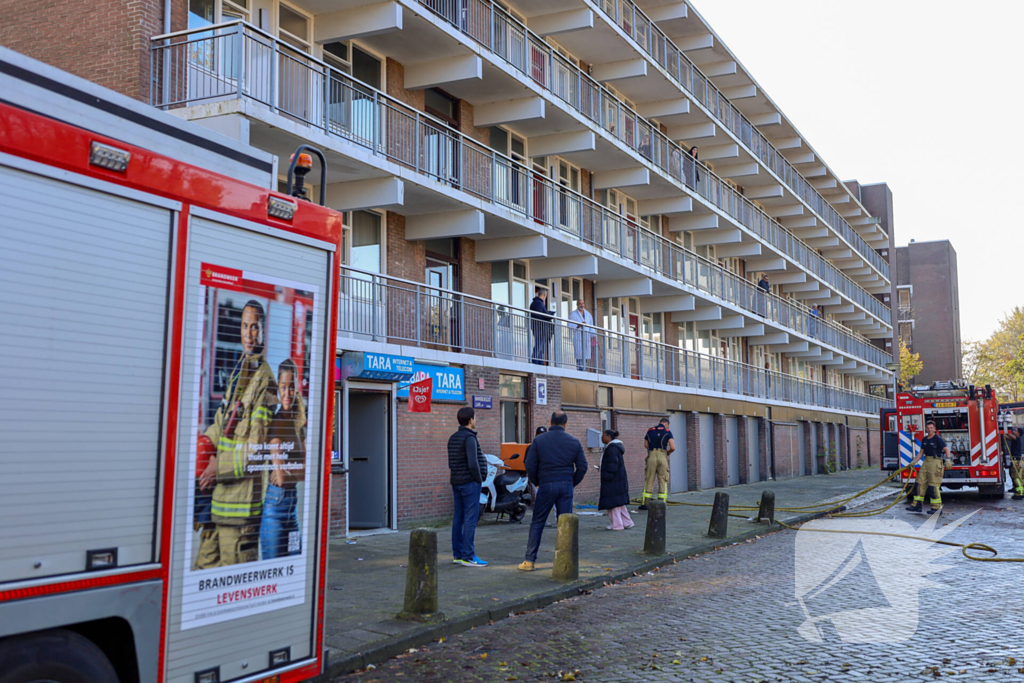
<point>366,245</point>
<point>512,392</point>
<point>570,290</point>
<point>604,402</point>
<point>293,28</point>
<point>202,13</point>
<point>366,68</point>
<point>442,105</point>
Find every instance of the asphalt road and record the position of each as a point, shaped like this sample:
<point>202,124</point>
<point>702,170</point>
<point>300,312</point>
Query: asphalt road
<point>733,615</point>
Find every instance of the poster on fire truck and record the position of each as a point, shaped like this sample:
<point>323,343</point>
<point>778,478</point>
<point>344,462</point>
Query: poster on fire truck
<point>246,544</point>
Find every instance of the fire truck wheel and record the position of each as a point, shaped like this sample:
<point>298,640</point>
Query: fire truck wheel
<point>995,491</point>
<point>57,656</point>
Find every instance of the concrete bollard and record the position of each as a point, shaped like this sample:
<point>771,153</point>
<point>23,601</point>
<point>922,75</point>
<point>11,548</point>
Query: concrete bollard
<point>654,539</point>
<point>421,577</point>
<point>719,525</point>
<point>766,511</point>
<point>567,549</point>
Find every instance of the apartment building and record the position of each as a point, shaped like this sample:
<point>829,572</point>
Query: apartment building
<point>928,308</point>
<point>484,152</point>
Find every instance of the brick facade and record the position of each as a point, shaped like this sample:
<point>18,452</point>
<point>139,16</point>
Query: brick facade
<point>744,449</point>
<point>786,450</point>
<point>693,467</point>
<point>338,520</point>
<point>721,457</point>
<point>113,35</point>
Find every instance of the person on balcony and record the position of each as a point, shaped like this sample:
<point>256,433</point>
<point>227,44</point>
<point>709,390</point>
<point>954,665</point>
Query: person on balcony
<point>764,290</point>
<point>542,327</point>
<point>690,173</point>
<point>583,338</point>
<point>815,314</point>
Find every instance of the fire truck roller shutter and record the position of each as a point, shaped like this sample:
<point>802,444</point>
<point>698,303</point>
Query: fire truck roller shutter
<point>83,311</point>
<point>225,626</point>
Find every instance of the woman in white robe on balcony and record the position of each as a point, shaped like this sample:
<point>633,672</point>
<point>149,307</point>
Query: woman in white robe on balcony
<point>583,338</point>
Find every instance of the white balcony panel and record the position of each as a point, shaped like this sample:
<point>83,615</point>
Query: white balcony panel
<point>664,108</point>
<point>667,304</point>
<point>824,184</point>
<point>785,210</point>
<point>716,152</point>
<point>563,143</point>
<point>742,250</point>
<point>764,192</point>
<point>792,347</point>
<point>440,72</point>
<point>748,330</point>
<point>668,12</point>
<point>566,266</point>
<point>434,226</point>
<point>634,286</point>
<point>790,278</point>
<point>694,132</point>
<point>623,177</point>
<point>508,111</point>
<point>617,71</point>
<point>772,118</point>
<point>766,265</point>
<point>798,222</point>
<point>358,22</point>
<point>822,242</point>
<point>508,248</point>
<point>733,171</point>
<point>562,22</point>
<point>728,322</point>
<point>769,339</point>
<point>665,206</point>
<point>719,236</point>
<point>707,221</point>
<point>717,69</point>
<point>803,286</point>
<point>704,313</point>
<point>801,158</point>
<point>810,233</point>
<point>373,193</point>
<point>740,92</point>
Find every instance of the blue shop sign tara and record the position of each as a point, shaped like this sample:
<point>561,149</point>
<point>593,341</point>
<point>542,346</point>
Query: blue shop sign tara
<point>379,366</point>
<point>448,383</point>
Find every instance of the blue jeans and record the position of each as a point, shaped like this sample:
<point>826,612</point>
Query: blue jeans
<point>556,495</point>
<point>280,520</point>
<point>467,509</point>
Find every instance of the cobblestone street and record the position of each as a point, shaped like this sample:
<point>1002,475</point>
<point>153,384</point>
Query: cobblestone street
<point>732,615</point>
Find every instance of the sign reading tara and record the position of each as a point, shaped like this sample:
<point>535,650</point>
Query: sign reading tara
<point>449,383</point>
<point>378,366</point>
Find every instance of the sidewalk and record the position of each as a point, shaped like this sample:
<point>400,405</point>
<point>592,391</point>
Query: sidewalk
<point>366,579</point>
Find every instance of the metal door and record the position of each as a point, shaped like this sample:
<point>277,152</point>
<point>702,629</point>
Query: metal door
<point>732,451</point>
<point>707,452</point>
<point>814,448</point>
<point>677,476</point>
<point>801,466</point>
<point>369,459</point>
<point>753,450</point>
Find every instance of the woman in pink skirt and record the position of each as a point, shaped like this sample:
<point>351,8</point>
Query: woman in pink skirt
<point>614,484</point>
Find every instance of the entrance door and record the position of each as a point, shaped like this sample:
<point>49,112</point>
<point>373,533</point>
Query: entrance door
<point>442,311</point>
<point>677,480</point>
<point>707,451</point>
<point>369,443</point>
<point>732,451</point>
<point>753,450</point>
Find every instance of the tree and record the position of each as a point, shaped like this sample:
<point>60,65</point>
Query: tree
<point>999,360</point>
<point>910,363</point>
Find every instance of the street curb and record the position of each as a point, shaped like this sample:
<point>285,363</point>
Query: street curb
<point>391,647</point>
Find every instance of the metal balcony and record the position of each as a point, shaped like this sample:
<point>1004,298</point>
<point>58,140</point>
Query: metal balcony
<point>379,308</point>
<point>237,61</point>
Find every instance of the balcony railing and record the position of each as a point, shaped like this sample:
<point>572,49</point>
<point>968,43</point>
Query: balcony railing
<point>653,41</point>
<point>494,28</point>
<point>384,309</point>
<point>236,60</point>
<point>905,313</point>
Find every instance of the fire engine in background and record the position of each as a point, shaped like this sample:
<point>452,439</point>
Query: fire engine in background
<point>168,329</point>
<point>966,417</point>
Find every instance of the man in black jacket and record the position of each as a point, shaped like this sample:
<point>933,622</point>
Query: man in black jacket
<point>555,464</point>
<point>541,326</point>
<point>468,466</point>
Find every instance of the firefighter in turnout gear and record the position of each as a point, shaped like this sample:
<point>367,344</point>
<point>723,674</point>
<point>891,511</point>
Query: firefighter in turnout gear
<point>1014,435</point>
<point>929,478</point>
<point>240,432</point>
<point>659,443</point>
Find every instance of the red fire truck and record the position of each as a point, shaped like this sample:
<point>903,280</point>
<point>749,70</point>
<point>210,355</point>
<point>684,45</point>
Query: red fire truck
<point>168,329</point>
<point>966,417</point>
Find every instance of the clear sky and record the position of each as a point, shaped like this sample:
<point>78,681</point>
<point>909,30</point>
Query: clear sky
<point>925,96</point>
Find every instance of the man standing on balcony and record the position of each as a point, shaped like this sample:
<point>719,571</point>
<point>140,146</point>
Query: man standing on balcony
<point>540,323</point>
<point>583,338</point>
<point>765,290</point>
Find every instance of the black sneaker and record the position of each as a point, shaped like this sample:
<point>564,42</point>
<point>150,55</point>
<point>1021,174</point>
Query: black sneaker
<point>1016,497</point>
<point>642,507</point>
<point>934,511</point>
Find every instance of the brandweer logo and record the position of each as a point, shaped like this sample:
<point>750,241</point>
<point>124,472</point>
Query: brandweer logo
<point>883,573</point>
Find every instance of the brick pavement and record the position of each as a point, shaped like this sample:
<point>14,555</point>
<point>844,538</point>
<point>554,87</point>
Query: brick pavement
<point>366,579</point>
<point>731,615</point>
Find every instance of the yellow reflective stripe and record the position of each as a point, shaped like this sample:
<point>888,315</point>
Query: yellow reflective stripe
<point>235,505</point>
<point>261,413</point>
<point>236,513</point>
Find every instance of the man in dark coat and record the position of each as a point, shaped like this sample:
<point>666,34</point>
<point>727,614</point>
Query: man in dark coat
<point>764,289</point>
<point>468,466</point>
<point>541,325</point>
<point>555,464</point>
